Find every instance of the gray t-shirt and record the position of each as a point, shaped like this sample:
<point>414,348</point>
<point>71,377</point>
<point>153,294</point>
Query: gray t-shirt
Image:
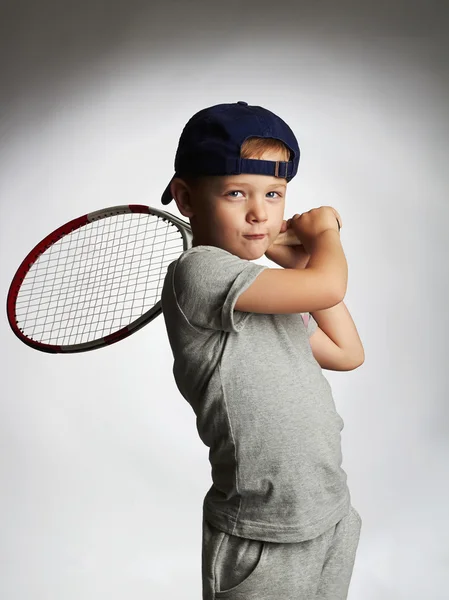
<point>262,403</point>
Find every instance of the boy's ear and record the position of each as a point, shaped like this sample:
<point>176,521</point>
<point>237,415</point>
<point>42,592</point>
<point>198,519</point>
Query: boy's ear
<point>181,194</point>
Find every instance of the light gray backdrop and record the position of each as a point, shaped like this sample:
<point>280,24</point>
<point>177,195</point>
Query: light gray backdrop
<point>102,473</point>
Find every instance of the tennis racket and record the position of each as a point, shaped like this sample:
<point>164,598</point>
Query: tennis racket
<point>98,278</point>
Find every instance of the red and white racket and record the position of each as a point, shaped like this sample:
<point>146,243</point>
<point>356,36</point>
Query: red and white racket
<point>98,278</point>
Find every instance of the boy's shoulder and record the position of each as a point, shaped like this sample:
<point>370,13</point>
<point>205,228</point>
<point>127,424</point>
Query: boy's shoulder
<point>204,263</point>
<point>205,282</point>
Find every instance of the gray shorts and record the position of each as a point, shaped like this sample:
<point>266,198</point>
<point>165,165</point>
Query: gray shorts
<point>242,569</point>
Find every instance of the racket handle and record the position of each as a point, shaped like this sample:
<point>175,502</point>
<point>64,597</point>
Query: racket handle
<point>288,238</point>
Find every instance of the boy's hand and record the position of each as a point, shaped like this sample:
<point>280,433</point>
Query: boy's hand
<point>288,257</point>
<point>292,257</point>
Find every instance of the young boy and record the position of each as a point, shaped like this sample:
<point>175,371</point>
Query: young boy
<point>277,521</point>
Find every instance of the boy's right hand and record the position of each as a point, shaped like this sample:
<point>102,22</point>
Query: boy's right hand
<point>309,225</point>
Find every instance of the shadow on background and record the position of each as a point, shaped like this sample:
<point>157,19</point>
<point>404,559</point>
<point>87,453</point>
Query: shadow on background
<point>45,43</point>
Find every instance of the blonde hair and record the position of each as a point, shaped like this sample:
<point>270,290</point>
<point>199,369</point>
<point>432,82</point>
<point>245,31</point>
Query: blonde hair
<point>254,147</point>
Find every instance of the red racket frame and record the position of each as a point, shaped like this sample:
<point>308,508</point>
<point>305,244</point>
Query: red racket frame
<point>56,235</point>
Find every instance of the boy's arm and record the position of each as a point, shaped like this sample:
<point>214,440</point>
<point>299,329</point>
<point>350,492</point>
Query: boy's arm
<point>336,344</point>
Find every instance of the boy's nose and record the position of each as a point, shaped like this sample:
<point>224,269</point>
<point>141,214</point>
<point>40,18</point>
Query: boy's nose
<point>257,212</point>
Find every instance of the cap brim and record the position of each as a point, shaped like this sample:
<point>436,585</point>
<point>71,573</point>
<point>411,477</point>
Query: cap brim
<point>167,197</point>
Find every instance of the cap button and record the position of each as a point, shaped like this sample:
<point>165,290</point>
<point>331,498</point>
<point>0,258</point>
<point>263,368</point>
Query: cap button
<point>242,103</point>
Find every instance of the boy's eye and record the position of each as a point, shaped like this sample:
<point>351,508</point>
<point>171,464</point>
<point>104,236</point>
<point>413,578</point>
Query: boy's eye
<point>233,193</point>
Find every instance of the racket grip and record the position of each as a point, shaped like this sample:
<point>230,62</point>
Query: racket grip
<point>288,238</point>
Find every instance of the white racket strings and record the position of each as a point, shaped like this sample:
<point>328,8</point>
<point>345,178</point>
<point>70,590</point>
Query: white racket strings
<point>97,279</point>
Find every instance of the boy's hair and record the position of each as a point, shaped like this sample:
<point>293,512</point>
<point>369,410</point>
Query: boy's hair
<point>252,147</point>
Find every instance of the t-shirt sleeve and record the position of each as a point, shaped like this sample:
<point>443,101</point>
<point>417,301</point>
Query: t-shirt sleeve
<point>310,323</point>
<point>207,282</point>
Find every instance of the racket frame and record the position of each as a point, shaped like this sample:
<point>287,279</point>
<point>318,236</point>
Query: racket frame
<point>25,266</point>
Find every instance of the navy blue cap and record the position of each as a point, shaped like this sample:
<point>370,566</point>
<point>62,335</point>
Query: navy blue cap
<point>211,140</point>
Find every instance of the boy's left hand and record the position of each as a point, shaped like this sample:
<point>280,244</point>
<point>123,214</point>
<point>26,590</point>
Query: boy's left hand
<point>289,257</point>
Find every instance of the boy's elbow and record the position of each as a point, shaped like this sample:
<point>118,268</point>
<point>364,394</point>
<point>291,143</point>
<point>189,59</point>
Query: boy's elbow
<point>358,363</point>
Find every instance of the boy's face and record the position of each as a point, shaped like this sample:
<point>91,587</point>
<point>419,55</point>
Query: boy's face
<point>224,210</point>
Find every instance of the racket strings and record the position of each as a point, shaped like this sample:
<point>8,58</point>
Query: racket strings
<point>98,279</point>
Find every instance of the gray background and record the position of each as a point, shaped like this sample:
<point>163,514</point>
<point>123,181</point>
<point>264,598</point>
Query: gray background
<point>102,474</point>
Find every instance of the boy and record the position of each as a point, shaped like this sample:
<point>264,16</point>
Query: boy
<point>277,521</point>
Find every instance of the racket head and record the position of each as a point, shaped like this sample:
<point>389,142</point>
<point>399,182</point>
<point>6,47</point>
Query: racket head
<point>51,300</point>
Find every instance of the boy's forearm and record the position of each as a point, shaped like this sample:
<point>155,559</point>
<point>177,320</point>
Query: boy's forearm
<point>328,257</point>
<point>337,324</point>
